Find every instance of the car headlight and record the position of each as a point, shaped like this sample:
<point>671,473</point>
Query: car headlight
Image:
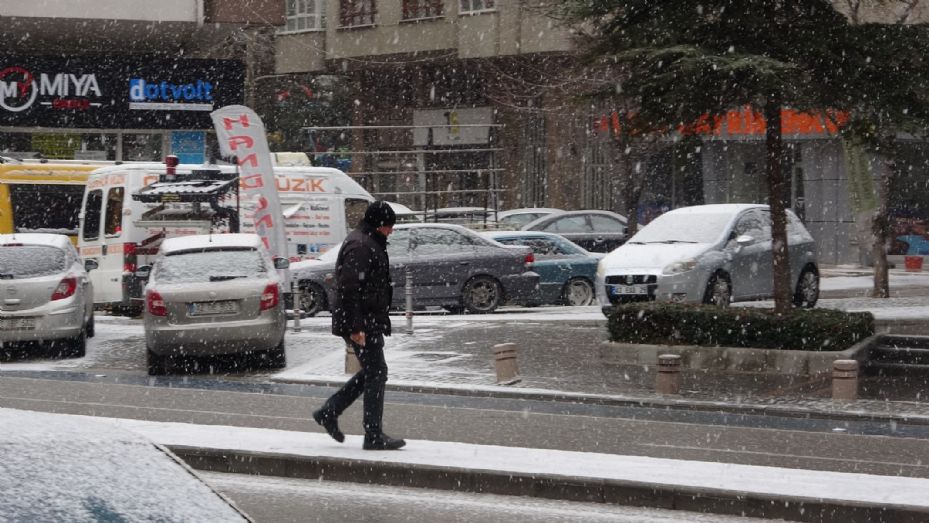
<point>679,267</point>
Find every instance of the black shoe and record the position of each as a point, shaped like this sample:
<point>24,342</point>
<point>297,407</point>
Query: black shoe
<point>382,442</point>
<point>330,423</point>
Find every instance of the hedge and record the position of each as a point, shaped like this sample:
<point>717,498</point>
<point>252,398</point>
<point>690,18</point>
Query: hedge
<point>709,325</point>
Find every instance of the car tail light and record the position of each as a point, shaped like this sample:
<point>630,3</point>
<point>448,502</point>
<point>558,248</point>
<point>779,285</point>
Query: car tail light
<point>270,297</point>
<point>129,257</point>
<point>155,304</point>
<point>65,288</point>
<point>529,260</point>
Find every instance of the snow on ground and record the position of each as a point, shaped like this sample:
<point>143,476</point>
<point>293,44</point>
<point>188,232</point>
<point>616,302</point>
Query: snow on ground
<point>799,483</point>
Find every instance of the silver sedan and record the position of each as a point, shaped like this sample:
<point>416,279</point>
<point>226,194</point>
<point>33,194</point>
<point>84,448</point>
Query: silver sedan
<point>211,295</point>
<point>45,295</point>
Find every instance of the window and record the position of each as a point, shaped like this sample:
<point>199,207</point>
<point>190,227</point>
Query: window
<point>440,241</point>
<point>418,9</point>
<point>568,224</point>
<point>606,224</point>
<point>355,13</point>
<point>476,6</point>
<point>92,214</point>
<point>305,15</point>
<point>32,205</point>
<point>114,212</point>
<point>31,261</point>
<point>210,265</point>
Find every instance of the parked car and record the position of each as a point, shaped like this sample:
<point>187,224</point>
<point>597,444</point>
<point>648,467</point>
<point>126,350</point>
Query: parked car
<point>213,294</point>
<point>405,214</point>
<point>516,218</point>
<point>596,231</point>
<point>58,467</point>
<point>45,294</point>
<point>707,254</point>
<point>451,266</point>
<point>567,272</point>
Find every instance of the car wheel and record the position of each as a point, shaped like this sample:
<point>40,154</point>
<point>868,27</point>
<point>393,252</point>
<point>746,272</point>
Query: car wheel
<point>578,292</point>
<point>275,358</point>
<point>91,330</point>
<point>807,292</point>
<point>718,290</point>
<point>312,299</point>
<point>482,294</point>
<point>76,347</point>
<point>156,363</point>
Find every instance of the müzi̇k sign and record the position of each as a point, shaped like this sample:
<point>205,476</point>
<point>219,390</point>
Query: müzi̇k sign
<point>134,92</point>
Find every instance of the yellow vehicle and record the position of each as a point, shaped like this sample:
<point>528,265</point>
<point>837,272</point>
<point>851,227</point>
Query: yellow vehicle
<point>42,197</point>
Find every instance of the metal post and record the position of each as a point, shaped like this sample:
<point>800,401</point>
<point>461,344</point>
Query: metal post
<point>668,380</point>
<point>408,290</point>
<point>296,307</point>
<point>845,380</point>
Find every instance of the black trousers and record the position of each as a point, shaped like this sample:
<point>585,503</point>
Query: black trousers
<point>370,381</point>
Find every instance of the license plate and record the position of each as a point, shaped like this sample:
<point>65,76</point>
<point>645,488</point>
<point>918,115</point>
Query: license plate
<point>626,290</point>
<point>213,307</point>
<point>10,324</point>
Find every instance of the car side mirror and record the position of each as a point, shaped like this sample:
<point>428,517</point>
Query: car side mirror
<point>745,239</point>
<point>143,272</point>
<point>90,265</point>
<point>281,263</point>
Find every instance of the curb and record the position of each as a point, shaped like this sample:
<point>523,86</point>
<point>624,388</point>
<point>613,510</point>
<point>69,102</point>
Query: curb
<point>548,486</point>
<point>655,403</point>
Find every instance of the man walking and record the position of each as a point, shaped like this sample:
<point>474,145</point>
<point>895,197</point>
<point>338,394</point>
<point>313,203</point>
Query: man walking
<point>359,316</point>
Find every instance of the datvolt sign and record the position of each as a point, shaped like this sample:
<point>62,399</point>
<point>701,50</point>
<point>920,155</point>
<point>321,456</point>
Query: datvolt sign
<point>116,92</point>
<point>167,96</point>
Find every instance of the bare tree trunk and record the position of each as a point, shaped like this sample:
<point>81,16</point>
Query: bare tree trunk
<point>776,186</point>
<point>880,224</point>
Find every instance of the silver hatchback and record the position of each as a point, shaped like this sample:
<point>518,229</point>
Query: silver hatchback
<point>213,295</point>
<point>707,254</point>
<point>45,295</point>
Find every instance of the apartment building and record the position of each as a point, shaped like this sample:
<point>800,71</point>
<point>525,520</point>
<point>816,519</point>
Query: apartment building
<point>125,79</point>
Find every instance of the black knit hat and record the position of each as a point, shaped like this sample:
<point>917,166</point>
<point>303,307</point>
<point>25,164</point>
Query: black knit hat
<point>379,214</point>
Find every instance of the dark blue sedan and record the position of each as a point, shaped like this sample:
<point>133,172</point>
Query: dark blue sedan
<point>567,272</point>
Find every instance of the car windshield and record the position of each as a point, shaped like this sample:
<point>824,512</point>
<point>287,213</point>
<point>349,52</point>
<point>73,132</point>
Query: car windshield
<point>683,228</point>
<point>30,261</point>
<point>210,265</point>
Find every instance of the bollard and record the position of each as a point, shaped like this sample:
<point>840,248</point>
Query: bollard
<point>409,300</point>
<point>352,365</point>
<point>844,380</point>
<point>668,380</point>
<point>505,363</point>
<point>297,314</point>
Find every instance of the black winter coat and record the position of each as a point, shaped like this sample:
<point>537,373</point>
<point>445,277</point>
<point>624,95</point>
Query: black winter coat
<point>363,287</point>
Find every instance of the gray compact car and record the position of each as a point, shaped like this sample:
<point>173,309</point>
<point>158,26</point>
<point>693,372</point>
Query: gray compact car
<point>707,254</point>
<point>45,294</point>
<point>213,294</point>
<point>451,267</point>
<point>595,231</point>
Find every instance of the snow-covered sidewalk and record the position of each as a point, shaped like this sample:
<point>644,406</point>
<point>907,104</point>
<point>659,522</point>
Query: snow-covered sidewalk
<point>756,481</point>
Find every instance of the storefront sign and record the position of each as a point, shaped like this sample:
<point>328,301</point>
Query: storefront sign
<point>115,92</point>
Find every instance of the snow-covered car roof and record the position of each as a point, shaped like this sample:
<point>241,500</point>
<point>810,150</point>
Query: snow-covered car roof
<point>527,210</point>
<point>211,241</point>
<point>53,240</point>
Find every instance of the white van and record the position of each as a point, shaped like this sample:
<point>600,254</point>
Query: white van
<point>320,206</point>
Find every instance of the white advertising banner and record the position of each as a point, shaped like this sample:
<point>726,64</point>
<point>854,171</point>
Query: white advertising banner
<point>242,134</point>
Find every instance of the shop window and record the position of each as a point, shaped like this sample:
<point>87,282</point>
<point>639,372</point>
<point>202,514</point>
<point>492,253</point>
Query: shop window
<point>476,6</point>
<point>356,13</point>
<point>419,9</point>
<point>305,15</point>
<point>143,147</point>
<point>114,212</point>
<point>92,211</point>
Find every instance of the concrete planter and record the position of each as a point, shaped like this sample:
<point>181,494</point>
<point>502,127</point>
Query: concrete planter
<point>740,359</point>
